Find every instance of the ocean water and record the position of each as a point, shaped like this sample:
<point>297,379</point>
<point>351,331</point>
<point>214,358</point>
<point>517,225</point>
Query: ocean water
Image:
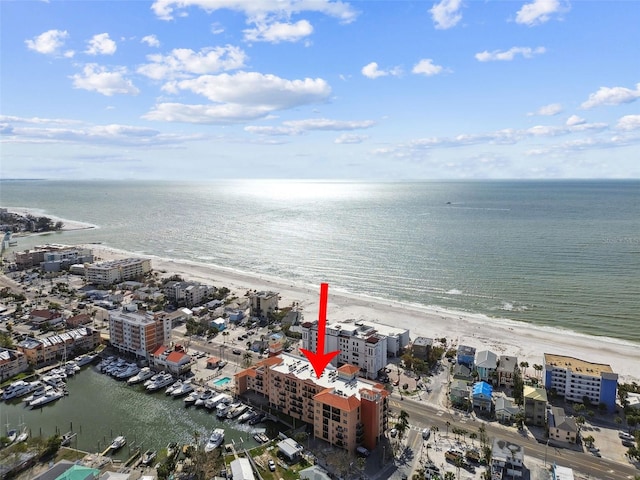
<point>563,254</point>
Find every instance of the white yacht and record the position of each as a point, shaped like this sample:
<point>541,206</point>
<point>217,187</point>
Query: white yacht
<point>203,397</point>
<point>128,372</point>
<point>162,381</point>
<point>50,396</point>
<point>222,409</point>
<point>85,359</point>
<point>19,389</point>
<point>192,398</point>
<point>215,440</point>
<point>182,390</point>
<point>169,390</point>
<point>144,374</point>
<point>38,392</point>
<point>236,412</point>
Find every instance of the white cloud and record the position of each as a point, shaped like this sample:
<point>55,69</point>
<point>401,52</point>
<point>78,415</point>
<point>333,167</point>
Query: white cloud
<point>350,138</point>
<point>98,79</point>
<point>371,70</point>
<point>239,97</point>
<point>183,61</point>
<point>255,9</point>
<point>446,14</point>
<point>297,127</point>
<point>612,96</point>
<point>277,32</point>
<point>547,110</point>
<point>574,120</point>
<point>217,28</point>
<point>253,88</point>
<point>151,40</point>
<point>629,122</point>
<point>508,55</point>
<point>101,44</point>
<point>427,67</point>
<point>48,43</point>
<point>37,120</point>
<point>539,11</point>
<point>113,134</point>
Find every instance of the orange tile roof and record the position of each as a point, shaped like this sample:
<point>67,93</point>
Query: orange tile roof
<point>269,362</point>
<point>249,372</point>
<point>349,369</point>
<point>343,403</point>
<point>213,360</point>
<point>160,350</point>
<point>175,357</point>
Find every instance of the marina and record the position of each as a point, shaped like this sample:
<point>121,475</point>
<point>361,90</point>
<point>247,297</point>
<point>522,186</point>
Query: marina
<point>100,408</point>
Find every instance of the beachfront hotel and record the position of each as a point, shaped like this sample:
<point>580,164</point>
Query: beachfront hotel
<point>263,303</point>
<point>575,379</point>
<point>108,273</point>
<point>137,333</point>
<point>366,345</point>
<point>345,410</point>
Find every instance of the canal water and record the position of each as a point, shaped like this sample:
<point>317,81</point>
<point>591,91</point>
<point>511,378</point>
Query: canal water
<point>99,408</point>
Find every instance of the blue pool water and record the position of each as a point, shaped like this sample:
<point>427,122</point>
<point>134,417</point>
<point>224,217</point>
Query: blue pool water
<point>222,381</point>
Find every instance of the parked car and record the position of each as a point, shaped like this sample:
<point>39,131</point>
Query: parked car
<point>426,433</point>
<point>393,432</point>
<point>362,451</point>
<point>272,465</point>
<point>237,351</point>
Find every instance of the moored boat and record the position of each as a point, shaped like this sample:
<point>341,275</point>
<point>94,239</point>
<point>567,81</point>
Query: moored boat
<point>148,457</point>
<point>183,389</point>
<point>50,396</point>
<point>118,443</point>
<point>215,440</point>
<point>203,397</point>
<point>143,375</point>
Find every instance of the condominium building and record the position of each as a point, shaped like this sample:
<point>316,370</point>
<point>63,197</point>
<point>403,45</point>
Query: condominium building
<point>263,303</point>
<point>108,273</point>
<point>575,379</point>
<point>345,411</point>
<point>43,351</point>
<point>366,345</point>
<point>139,334</point>
<point>57,260</point>
<point>188,294</point>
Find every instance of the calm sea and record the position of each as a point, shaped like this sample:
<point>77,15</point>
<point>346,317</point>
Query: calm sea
<point>562,254</point>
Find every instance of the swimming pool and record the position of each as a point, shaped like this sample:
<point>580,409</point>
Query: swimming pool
<point>222,381</point>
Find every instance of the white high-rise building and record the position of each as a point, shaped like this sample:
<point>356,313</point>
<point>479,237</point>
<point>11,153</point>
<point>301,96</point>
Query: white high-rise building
<point>364,344</point>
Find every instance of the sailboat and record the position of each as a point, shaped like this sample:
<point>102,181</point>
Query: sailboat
<point>24,434</point>
<point>12,434</point>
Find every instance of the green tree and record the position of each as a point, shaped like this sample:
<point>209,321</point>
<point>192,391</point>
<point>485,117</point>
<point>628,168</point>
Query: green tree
<point>51,447</point>
<point>473,436</point>
<point>518,386</point>
<point>449,476</point>
<point>403,423</point>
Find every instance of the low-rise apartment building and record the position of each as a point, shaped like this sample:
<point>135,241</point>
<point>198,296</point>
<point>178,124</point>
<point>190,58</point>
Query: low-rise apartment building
<point>108,273</point>
<point>345,411</point>
<point>366,345</point>
<point>137,333</point>
<point>575,379</point>
<point>47,350</point>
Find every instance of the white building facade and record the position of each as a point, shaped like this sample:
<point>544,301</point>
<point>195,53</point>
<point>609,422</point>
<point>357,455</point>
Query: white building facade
<point>365,345</point>
<point>108,273</point>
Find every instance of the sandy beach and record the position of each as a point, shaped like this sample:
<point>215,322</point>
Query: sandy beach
<point>502,336</point>
<point>68,224</point>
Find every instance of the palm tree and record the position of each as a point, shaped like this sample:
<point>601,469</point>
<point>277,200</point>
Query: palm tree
<point>458,463</point>
<point>449,476</point>
<point>483,434</point>
<point>247,357</point>
<point>448,425</point>
<point>473,436</point>
<point>524,366</point>
<point>225,334</point>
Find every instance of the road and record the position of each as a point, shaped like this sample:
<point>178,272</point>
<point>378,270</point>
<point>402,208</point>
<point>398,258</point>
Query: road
<point>424,415</point>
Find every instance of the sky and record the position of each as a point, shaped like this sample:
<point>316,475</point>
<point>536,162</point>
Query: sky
<point>379,90</point>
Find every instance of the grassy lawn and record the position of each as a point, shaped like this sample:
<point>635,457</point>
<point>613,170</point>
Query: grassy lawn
<point>69,454</point>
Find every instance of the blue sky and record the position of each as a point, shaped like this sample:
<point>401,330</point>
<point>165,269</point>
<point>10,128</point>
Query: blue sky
<point>208,89</point>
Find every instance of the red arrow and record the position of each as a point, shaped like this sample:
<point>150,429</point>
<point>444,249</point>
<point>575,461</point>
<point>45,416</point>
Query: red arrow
<point>319,360</point>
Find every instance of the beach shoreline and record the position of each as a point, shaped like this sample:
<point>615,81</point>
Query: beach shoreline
<point>500,335</point>
<point>69,225</point>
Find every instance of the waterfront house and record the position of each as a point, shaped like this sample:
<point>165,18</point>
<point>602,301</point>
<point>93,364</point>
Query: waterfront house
<point>507,459</point>
<point>290,449</point>
<point>466,355</point>
<point>174,361</point>
<point>481,397</point>
<point>486,365</point>
<point>504,371</point>
<point>535,406</point>
<point>66,469</point>
<point>241,469</point>
<point>562,429</point>
<point>575,379</point>
<point>421,347</point>
<point>506,410</point>
<point>47,350</point>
